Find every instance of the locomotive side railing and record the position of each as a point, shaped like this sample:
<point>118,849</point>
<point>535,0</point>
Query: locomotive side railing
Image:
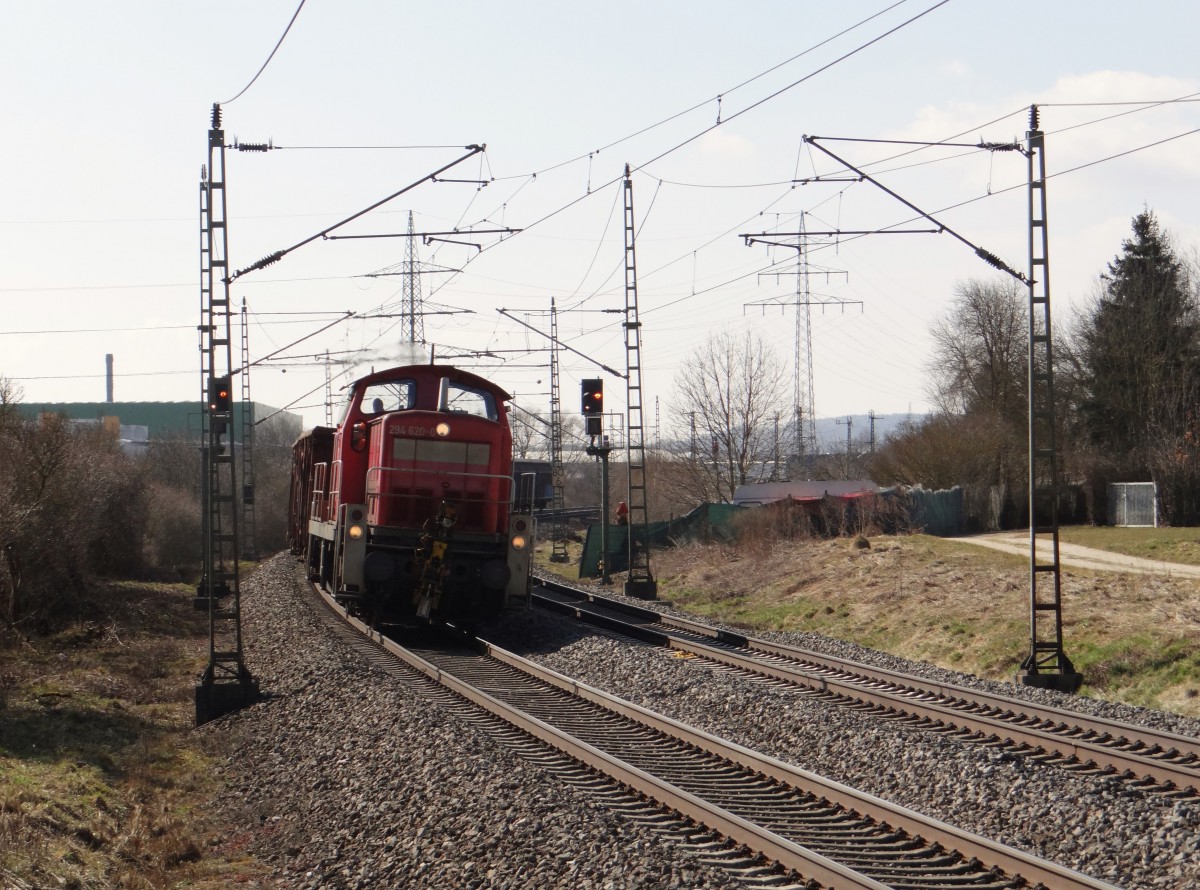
<point>334,495</point>
<point>316,509</point>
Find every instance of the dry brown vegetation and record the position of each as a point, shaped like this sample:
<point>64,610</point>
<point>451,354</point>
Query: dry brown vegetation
<point>102,781</point>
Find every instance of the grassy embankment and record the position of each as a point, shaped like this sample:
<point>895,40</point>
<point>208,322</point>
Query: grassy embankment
<point>1135,638</point>
<point>103,782</point>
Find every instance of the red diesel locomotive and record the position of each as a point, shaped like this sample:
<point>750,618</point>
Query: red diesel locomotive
<point>405,510</point>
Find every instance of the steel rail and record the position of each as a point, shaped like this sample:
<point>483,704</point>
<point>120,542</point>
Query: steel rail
<point>786,853</point>
<point>1009,860</point>
<point>808,863</point>
<point>1048,713</point>
<point>1017,719</point>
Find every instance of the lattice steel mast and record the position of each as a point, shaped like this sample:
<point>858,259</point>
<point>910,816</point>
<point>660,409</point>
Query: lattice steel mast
<point>412,328</point>
<point>558,476</point>
<point>1047,664</point>
<point>328,390</point>
<point>249,537</point>
<point>640,581</point>
<point>226,684</point>
<point>805,396</point>
<point>804,411</point>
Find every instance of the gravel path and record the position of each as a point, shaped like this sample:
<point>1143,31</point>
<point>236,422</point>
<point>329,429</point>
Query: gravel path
<point>344,778</point>
<point>1082,557</point>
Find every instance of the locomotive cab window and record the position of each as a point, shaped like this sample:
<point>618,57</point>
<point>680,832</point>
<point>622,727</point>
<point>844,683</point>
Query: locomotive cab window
<point>459,399</point>
<point>395,395</point>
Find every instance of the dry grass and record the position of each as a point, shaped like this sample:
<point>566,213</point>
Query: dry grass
<point>1135,638</point>
<point>102,782</point>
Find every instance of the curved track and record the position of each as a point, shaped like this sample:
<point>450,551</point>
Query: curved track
<point>825,832</point>
<point>1158,761</point>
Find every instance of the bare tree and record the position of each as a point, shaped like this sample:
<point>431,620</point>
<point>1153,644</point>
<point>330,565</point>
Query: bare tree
<point>530,433</point>
<point>940,451</point>
<point>979,373</point>
<point>729,390</point>
<point>273,439</point>
<point>979,361</point>
<point>10,397</point>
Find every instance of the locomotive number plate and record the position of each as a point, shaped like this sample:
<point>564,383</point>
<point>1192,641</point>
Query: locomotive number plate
<point>423,432</point>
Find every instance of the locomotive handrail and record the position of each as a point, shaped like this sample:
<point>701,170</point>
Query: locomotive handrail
<point>316,507</point>
<point>334,495</point>
<point>374,472</point>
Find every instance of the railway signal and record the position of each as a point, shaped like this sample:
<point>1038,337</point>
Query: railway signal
<point>219,399</point>
<point>220,405</point>
<point>593,396</point>
<point>593,404</point>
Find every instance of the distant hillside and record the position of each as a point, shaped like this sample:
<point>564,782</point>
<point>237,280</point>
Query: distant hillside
<point>831,431</point>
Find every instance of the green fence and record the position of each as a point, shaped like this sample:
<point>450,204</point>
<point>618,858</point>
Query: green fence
<point>893,510</point>
<point>707,522</point>
<point>938,513</point>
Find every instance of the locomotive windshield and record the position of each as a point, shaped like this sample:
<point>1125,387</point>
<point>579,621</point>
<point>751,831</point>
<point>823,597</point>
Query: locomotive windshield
<point>394,395</point>
<point>460,399</point>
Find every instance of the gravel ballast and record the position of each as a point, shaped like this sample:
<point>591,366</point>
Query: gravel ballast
<point>344,777</point>
<point>1097,825</point>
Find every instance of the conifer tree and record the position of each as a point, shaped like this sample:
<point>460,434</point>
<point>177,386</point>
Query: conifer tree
<point>1139,363</point>
<point>1139,350</point>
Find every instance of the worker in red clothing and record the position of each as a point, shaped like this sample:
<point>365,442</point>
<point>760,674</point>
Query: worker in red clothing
<point>622,513</point>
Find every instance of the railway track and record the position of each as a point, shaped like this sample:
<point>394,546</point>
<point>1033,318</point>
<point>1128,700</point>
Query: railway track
<point>825,833</point>
<point>1155,761</point>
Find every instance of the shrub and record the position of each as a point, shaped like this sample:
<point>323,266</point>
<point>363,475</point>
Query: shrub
<point>173,545</point>
<point>71,507</point>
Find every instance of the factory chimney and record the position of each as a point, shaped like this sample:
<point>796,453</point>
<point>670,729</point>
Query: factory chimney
<point>108,376</point>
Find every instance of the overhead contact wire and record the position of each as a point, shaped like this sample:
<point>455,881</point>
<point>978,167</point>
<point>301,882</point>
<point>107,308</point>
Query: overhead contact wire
<point>796,83</point>
<point>278,44</point>
<point>717,97</point>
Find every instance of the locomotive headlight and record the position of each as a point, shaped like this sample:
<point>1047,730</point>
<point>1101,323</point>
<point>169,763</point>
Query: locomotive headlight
<point>442,429</point>
<point>518,542</point>
<point>355,532</point>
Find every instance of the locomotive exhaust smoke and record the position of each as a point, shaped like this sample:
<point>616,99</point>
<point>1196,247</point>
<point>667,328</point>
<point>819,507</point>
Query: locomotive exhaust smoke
<point>410,354</point>
<point>364,361</point>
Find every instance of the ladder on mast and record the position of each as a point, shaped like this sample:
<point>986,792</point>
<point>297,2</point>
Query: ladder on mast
<point>225,684</point>
<point>640,582</point>
<point>249,535</point>
<point>558,476</point>
<point>1047,664</point>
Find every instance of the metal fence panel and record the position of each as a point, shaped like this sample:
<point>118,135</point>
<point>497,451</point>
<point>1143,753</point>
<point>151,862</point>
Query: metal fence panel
<point>1132,504</point>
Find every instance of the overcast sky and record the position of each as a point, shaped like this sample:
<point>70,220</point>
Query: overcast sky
<point>107,108</point>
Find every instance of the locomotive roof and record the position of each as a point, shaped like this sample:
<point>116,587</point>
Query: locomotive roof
<point>433,372</point>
